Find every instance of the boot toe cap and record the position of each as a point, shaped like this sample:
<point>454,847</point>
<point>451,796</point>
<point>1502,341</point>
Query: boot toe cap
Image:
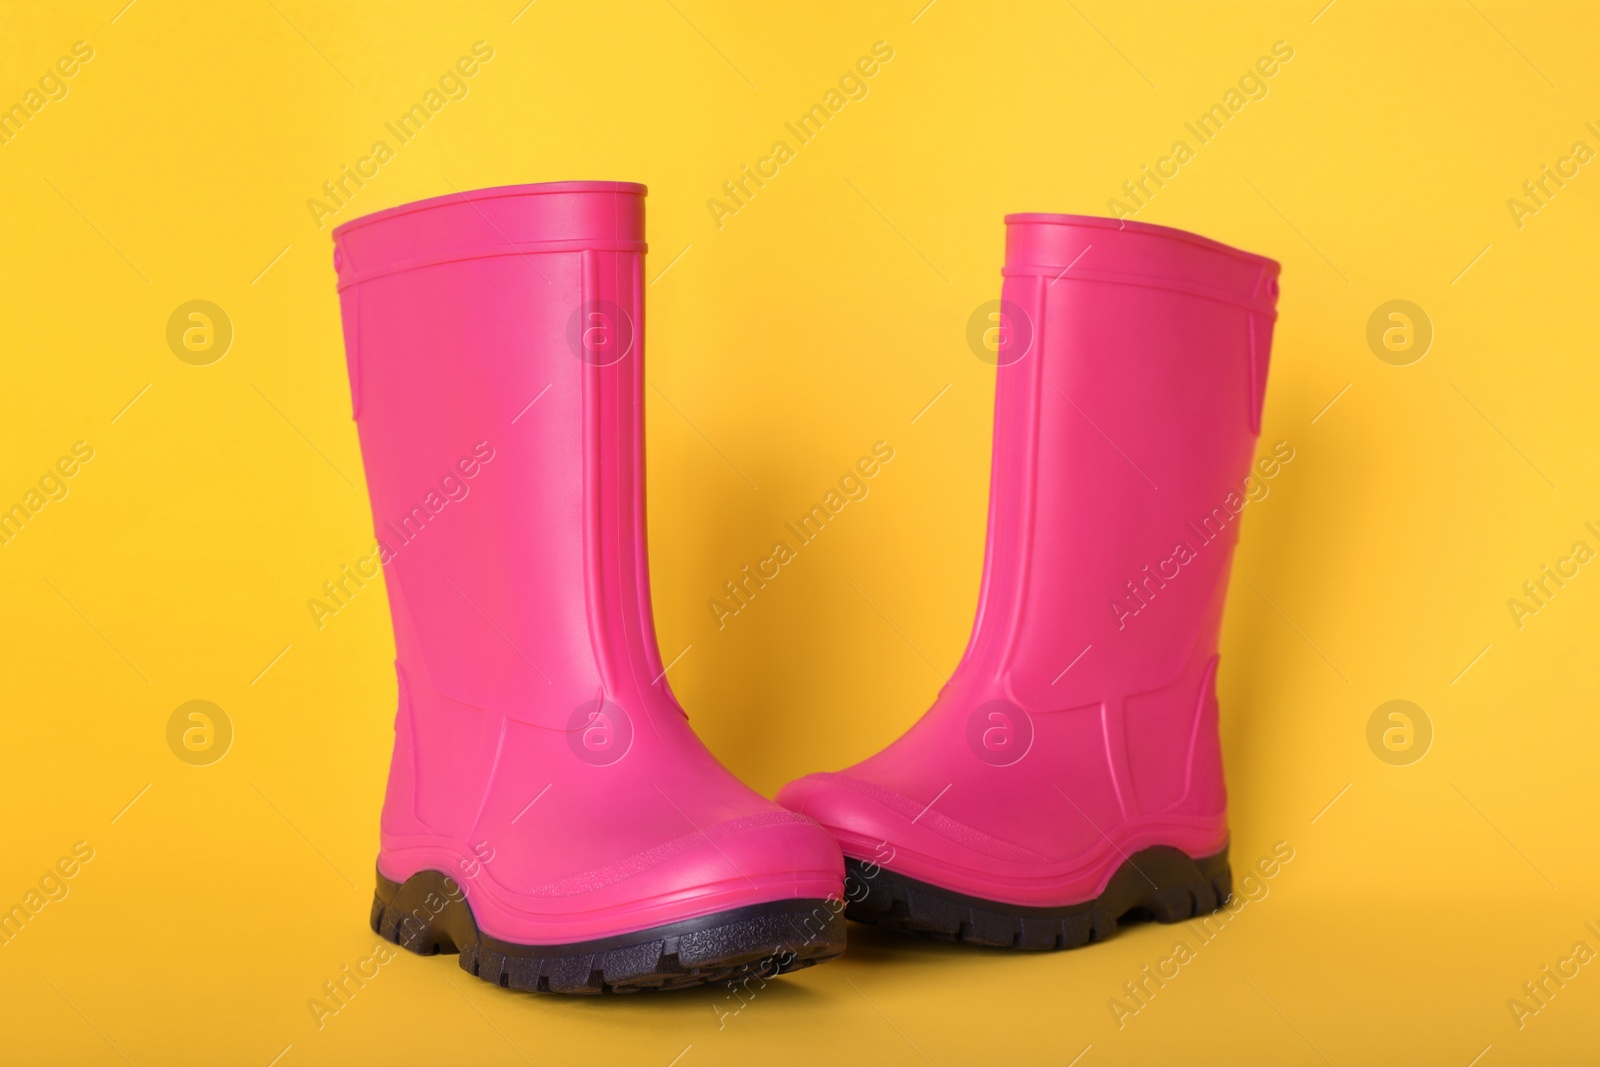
<point>871,820</point>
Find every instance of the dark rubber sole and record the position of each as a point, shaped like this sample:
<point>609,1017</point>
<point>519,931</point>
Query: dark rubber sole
<point>1157,883</point>
<point>429,914</point>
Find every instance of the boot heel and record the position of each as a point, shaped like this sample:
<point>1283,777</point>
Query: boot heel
<point>1159,883</point>
<point>1166,885</point>
<point>426,915</point>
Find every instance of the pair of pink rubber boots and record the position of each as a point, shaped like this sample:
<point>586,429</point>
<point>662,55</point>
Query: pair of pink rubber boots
<point>551,815</point>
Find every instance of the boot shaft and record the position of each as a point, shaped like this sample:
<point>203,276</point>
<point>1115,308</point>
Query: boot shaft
<point>495,347</point>
<point>1127,407</point>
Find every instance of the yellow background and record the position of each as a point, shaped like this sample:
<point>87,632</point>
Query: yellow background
<point>822,317</point>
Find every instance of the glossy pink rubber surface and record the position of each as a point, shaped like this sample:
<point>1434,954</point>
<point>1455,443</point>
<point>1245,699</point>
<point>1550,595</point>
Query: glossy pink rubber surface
<point>495,349</point>
<point>1081,723</point>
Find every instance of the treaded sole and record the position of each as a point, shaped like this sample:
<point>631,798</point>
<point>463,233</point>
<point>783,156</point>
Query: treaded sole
<point>1160,883</point>
<point>429,914</point>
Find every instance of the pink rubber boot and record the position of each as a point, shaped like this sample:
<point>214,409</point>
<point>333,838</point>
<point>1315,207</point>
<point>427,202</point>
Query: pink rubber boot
<point>550,813</point>
<point>1070,771</point>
